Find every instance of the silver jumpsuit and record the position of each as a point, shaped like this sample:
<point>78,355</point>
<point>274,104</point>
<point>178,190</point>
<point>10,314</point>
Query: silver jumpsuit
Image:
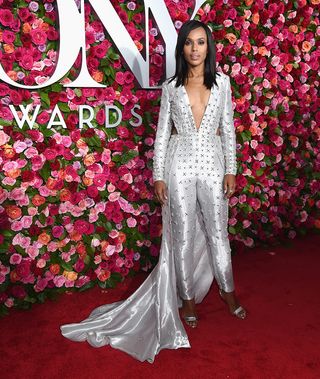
<point>193,163</point>
<point>194,247</point>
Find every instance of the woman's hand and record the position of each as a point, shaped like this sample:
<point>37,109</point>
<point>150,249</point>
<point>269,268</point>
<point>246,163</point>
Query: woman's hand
<point>160,190</point>
<point>229,185</point>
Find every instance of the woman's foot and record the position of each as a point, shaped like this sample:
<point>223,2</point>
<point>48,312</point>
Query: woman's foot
<point>234,307</point>
<point>188,313</point>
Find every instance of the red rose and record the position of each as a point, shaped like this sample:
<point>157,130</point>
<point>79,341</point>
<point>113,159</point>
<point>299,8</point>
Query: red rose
<point>27,176</point>
<point>100,180</point>
<point>92,191</point>
<point>50,154</point>
<point>18,291</point>
<point>23,269</point>
<point>6,17</point>
<point>83,227</point>
<point>15,97</point>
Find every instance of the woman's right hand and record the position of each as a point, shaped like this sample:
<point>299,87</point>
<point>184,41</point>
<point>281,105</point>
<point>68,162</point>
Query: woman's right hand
<point>160,190</point>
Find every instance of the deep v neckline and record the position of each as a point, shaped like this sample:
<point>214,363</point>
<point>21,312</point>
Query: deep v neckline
<point>190,108</point>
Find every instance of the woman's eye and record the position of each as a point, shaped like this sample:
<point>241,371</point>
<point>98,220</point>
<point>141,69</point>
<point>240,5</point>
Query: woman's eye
<point>201,42</point>
<point>187,43</point>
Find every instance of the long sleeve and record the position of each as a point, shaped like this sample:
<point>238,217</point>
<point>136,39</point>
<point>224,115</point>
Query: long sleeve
<point>162,135</point>
<point>228,135</point>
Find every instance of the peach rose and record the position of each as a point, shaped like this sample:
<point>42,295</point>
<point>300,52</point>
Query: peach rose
<point>65,195</point>
<point>247,47</point>
<point>8,48</point>
<point>293,28</point>
<point>70,275</point>
<point>38,200</point>
<point>51,183</point>
<point>14,277</point>
<point>231,38</point>
<point>54,269</point>
<point>97,76</point>
<point>12,75</point>
<point>26,28</point>
<point>44,26</point>
<point>89,159</point>
<point>263,51</point>
<point>104,275</point>
<point>13,212</point>
<point>139,45</point>
<point>255,18</point>
<point>13,174</point>
<point>306,46</point>
<point>122,237</point>
<point>81,144</point>
<point>8,151</point>
<point>87,181</point>
<point>75,236</point>
<point>44,238</point>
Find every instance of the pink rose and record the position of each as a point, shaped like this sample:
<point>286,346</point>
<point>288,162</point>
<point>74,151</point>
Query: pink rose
<point>119,77</point>
<point>246,223</point>
<point>79,265</point>
<point>8,36</point>
<point>59,281</point>
<point>27,62</point>
<point>15,259</point>
<point>41,284</point>
<point>32,251</point>
<point>114,196</point>
<point>16,226</point>
<point>17,194</point>
<point>38,36</point>
<point>4,138</point>
<point>31,152</point>
<point>131,222</point>
<point>20,240</point>
<point>110,250</point>
<point>26,221</point>
<point>57,231</point>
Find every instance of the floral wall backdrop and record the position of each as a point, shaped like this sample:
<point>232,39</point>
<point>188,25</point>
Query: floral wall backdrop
<point>76,205</point>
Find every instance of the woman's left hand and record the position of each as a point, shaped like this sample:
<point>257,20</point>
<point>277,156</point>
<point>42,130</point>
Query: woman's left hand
<point>229,185</point>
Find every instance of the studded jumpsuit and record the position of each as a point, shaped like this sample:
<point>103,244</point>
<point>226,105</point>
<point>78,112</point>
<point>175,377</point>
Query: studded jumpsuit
<point>193,163</point>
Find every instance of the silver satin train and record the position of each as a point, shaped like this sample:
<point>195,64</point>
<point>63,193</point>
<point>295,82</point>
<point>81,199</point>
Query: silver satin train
<point>195,246</point>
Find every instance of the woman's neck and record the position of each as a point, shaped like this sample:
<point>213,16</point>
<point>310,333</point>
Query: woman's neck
<point>195,72</point>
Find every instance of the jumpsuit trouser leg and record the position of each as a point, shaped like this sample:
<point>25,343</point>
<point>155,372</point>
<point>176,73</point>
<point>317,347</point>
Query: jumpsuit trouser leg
<point>184,194</point>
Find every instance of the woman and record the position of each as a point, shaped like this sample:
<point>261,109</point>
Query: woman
<point>200,169</point>
<point>189,179</point>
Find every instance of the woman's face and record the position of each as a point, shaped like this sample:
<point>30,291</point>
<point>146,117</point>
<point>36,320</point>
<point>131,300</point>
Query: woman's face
<point>196,47</point>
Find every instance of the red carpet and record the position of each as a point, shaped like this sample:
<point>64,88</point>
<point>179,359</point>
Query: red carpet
<point>279,339</point>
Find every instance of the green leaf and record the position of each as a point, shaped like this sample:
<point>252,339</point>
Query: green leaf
<point>7,233</point>
<point>42,218</point>
<point>56,87</point>
<point>259,172</point>
<point>45,171</point>
<point>63,107</point>
<point>66,266</point>
<point>45,99</point>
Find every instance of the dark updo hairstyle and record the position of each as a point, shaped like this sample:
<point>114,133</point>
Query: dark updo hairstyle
<point>210,61</point>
